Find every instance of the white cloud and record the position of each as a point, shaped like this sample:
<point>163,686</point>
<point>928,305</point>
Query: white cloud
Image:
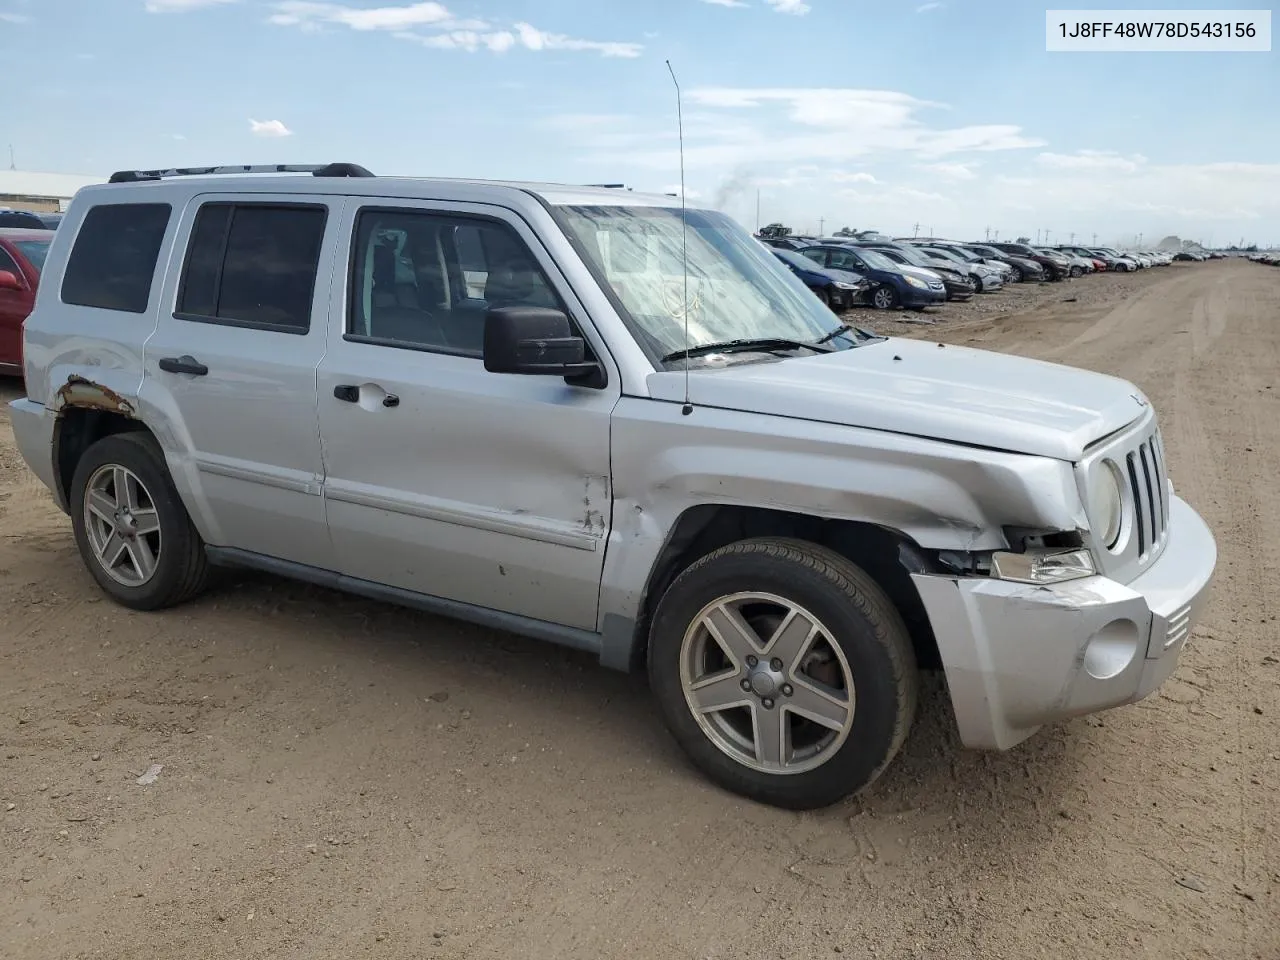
<point>796,125</point>
<point>181,6</point>
<point>269,128</point>
<point>14,17</point>
<point>841,177</point>
<point>497,41</point>
<point>1093,160</point>
<point>536,39</point>
<point>446,32</point>
<point>177,136</point>
<point>797,7</point>
<point>951,171</point>
<point>303,12</point>
<point>725,3</point>
<point>926,7</point>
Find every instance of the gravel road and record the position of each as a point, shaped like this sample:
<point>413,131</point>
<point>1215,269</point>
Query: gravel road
<point>345,779</point>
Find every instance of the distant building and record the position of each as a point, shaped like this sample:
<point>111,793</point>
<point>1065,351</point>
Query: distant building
<point>40,192</point>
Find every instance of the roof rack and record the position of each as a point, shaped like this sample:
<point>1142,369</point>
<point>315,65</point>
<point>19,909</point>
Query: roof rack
<point>316,170</point>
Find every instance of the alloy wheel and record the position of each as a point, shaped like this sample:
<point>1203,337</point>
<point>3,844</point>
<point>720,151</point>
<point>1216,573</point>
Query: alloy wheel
<point>767,683</point>
<point>122,524</point>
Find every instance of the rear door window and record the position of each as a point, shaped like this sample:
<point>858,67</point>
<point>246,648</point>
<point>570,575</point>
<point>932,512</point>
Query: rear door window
<point>253,265</point>
<point>113,262</point>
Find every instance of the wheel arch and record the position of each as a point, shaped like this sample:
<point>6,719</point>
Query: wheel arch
<point>79,426</point>
<point>887,555</point>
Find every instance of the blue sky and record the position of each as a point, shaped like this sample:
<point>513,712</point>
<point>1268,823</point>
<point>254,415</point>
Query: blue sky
<point>867,114</point>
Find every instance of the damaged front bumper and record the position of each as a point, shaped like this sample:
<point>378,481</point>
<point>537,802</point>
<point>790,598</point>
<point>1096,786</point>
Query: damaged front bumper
<point>1019,656</point>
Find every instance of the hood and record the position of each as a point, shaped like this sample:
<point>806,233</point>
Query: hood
<point>919,272</point>
<point>923,389</point>
<point>843,276</point>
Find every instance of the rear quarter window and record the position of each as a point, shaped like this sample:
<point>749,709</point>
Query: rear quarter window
<point>113,261</point>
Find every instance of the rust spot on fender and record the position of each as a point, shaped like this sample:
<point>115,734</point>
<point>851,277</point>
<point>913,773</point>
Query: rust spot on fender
<point>85,394</point>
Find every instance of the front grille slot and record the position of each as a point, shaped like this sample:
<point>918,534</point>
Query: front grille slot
<point>1149,488</point>
<point>1139,507</point>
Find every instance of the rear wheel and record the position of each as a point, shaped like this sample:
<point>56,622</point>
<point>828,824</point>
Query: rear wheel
<point>783,671</point>
<point>133,532</point>
<point>885,298</point>
<point>1076,271</point>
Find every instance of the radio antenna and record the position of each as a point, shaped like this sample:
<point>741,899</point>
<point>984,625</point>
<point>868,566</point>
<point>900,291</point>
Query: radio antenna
<point>684,240</point>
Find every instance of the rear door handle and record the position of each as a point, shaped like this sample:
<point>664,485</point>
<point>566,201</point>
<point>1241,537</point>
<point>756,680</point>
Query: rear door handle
<point>183,364</point>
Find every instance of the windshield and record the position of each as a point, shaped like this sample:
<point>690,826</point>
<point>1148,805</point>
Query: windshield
<point>877,260</point>
<point>909,254</point>
<point>798,260</point>
<point>737,289</point>
<point>35,251</point>
<point>990,252</point>
<point>945,254</point>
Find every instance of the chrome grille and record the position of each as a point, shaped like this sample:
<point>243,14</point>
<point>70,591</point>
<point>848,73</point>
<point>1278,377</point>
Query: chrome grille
<point>1149,488</point>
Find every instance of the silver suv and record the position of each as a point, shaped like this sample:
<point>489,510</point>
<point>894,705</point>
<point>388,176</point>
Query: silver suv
<point>588,416</point>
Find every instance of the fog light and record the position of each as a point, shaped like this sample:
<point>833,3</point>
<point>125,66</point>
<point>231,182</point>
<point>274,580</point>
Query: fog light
<point>1043,566</point>
<point>1111,649</point>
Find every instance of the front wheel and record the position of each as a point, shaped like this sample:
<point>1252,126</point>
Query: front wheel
<point>783,671</point>
<point>131,527</point>
<point>1076,271</point>
<point>885,298</point>
<point>824,295</point>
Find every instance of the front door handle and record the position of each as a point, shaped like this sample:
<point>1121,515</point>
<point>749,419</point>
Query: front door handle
<point>183,364</point>
<point>347,392</point>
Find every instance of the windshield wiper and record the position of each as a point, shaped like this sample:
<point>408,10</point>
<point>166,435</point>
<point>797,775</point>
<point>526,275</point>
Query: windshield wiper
<point>738,346</point>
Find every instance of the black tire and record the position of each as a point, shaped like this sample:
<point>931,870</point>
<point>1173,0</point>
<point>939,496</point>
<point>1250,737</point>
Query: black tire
<point>1075,271</point>
<point>885,297</point>
<point>825,296</point>
<point>1017,276</point>
<point>181,566</point>
<point>859,617</point>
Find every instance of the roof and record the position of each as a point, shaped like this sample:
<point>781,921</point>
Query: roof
<point>58,185</point>
<point>400,187</point>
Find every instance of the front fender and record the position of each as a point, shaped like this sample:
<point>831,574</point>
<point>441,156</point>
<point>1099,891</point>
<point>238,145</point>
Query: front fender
<point>942,496</point>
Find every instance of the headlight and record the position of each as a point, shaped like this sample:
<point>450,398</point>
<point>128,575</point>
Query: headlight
<point>841,285</point>
<point>1042,566</point>
<point>1106,503</point>
<point>916,281</point>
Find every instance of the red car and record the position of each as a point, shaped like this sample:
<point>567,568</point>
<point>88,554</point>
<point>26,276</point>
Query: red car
<point>22,253</point>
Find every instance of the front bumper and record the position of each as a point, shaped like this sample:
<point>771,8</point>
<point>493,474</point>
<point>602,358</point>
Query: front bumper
<point>958,289</point>
<point>927,297</point>
<point>1018,656</point>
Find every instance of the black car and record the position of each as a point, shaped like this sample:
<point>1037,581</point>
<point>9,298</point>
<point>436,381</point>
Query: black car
<point>1025,269</point>
<point>838,289</point>
<point>21,218</point>
<point>1056,267</point>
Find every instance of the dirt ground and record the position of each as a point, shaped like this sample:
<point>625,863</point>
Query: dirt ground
<point>345,779</point>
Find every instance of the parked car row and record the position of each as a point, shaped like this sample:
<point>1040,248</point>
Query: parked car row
<point>1270,259</point>
<point>917,272</point>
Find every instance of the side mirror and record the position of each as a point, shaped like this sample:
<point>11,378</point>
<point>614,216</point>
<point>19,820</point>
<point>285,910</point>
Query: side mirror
<point>537,341</point>
<point>10,281</point>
